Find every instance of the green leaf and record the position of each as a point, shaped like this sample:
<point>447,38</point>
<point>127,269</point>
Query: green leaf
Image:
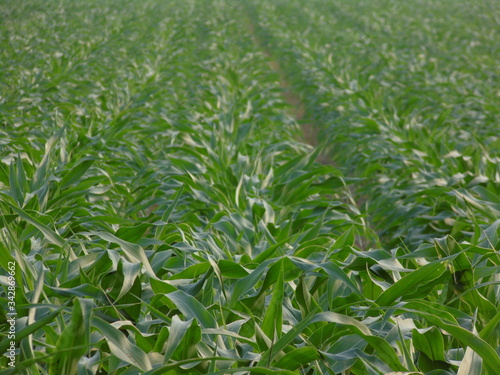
<point>337,273</point>
<point>231,270</point>
<point>51,236</point>
<point>248,282</point>
<point>134,252</point>
<point>72,343</point>
<point>121,347</point>
<point>191,308</point>
<point>132,234</point>
<point>490,357</point>
<point>421,276</point>
<point>273,317</point>
<point>129,273</point>
<point>178,329</point>
<point>28,330</point>
<point>383,348</point>
<point>75,173</point>
<point>192,272</point>
<point>430,342</point>
<point>297,358</point>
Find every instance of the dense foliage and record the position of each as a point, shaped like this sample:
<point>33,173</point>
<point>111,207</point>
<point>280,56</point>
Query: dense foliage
<point>164,217</point>
<point>407,97</point>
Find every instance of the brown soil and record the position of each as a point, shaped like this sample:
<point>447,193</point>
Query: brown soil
<point>298,111</point>
<point>296,106</point>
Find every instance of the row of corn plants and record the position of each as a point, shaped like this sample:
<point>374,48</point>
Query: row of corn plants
<point>407,98</point>
<point>163,219</point>
<point>151,187</point>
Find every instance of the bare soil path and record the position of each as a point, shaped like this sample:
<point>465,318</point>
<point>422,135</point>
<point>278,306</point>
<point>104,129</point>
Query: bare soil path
<point>297,108</point>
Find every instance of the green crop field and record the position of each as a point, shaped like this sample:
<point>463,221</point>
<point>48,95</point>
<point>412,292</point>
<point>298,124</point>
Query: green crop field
<point>249,187</point>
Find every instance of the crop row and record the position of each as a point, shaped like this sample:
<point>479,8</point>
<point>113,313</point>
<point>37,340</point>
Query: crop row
<point>407,97</point>
<point>149,183</point>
